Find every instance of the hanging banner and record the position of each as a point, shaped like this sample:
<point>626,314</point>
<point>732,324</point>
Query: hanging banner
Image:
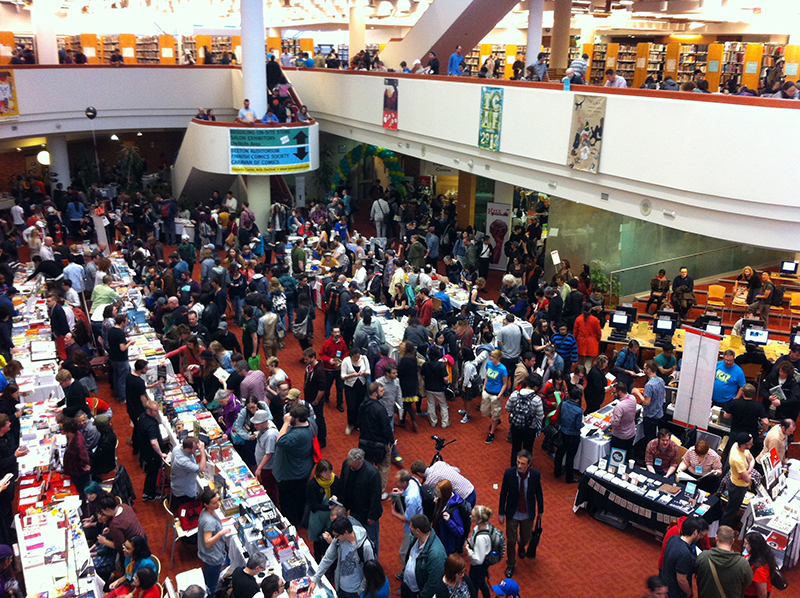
<point>390,104</point>
<point>300,191</point>
<point>498,219</point>
<point>696,384</point>
<point>491,118</point>
<point>588,115</point>
<point>9,109</point>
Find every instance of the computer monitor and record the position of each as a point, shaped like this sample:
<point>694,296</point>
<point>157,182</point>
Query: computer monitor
<point>630,310</point>
<point>756,336</point>
<point>789,268</point>
<point>795,339</point>
<point>669,313</point>
<point>748,323</point>
<point>664,326</point>
<point>620,320</point>
<point>715,328</point>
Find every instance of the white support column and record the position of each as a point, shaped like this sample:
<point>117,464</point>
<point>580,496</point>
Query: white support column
<point>559,42</point>
<point>535,17</point>
<point>254,67</point>
<point>259,196</point>
<point>43,19</point>
<point>358,29</point>
<point>59,160</point>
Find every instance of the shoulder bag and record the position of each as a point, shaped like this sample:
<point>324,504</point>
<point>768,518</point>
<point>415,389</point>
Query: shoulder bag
<point>716,578</point>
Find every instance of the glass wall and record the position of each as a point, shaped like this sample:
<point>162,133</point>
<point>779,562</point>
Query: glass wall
<point>583,234</point>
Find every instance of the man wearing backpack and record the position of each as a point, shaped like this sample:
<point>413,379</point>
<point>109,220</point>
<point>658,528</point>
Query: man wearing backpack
<point>406,502</point>
<point>521,505</point>
<point>333,303</point>
<point>767,298</point>
<point>525,416</point>
<point>350,549</point>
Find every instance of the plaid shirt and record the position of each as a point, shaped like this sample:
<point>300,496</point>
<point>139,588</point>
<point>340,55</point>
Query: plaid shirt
<point>710,461</point>
<point>442,471</point>
<point>76,457</point>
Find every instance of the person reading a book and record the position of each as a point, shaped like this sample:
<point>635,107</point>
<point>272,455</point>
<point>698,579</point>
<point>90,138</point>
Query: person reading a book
<point>661,455</point>
<point>702,462</point>
<point>742,465</point>
<point>780,393</point>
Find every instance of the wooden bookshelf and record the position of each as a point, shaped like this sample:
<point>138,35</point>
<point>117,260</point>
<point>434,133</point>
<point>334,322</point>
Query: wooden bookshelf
<point>236,49</point>
<point>597,64</point>
<point>716,53</point>
<point>202,42</point>
<point>25,40</point>
<point>672,55</point>
<point>511,51</point>
<point>188,42</point>
<point>127,47</point>
<point>272,42</point>
<point>640,66</point>
<point>344,55</point>
<point>626,63</point>
<point>307,45</point>
<point>472,61</point>
<point>147,49</point>
<point>792,56</point>
<point>692,57</point>
<point>167,49</point>
<point>107,45</point>
<point>751,77</point>
<point>612,53</point>
<point>732,65</point>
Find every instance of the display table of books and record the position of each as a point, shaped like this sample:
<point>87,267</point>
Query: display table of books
<point>775,512</point>
<point>620,494</point>
<point>54,553</point>
<point>596,436</point>
<point>245,505</point>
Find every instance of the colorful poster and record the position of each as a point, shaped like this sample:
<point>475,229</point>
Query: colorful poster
<point>9,109</point>
<point>588,115</point>
<point>498,219</point>
<point>390,104</point>
<point>269,150</point>
<point>491,118</point>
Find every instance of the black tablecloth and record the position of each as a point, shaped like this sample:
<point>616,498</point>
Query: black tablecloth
<point>595,493</point>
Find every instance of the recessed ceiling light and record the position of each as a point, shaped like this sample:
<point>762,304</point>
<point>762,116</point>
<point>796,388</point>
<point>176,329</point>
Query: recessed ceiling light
<point>114,137</point>
<point>19,149</point>
<point>139,134</point>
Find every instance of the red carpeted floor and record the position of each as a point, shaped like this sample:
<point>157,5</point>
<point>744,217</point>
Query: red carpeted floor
<point>578,556</point>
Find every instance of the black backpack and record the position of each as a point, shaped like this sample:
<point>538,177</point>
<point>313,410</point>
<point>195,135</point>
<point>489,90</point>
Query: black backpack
<point>334,300</point>
<point>428,496</point>
<point>498,542</point>
<point>521,414</point>
<point>776,297</point>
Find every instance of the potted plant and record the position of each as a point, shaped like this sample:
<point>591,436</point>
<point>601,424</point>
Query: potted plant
<point>603,283</point>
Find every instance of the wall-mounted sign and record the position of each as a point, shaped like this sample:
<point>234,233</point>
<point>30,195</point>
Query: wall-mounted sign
<point>9,109</point>
<point>269,150</point>
<point>390,104</point>
<point>491,118</point>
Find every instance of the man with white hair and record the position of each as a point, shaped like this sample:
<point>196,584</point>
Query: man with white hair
<point>362,493</point>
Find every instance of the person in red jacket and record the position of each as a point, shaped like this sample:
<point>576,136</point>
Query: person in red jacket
<point>424,307</point>
<point>587,333</point>
<point>333,351</point>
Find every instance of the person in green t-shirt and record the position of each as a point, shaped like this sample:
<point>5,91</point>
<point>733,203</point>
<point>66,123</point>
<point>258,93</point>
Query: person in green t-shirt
<point>298,258</point>
<point>666,363</point>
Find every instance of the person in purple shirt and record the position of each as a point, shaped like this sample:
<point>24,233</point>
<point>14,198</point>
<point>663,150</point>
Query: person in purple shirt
<point>623,418</point>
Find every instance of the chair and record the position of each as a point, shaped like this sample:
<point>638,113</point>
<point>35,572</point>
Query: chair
<point>174,524</point>
<point>716,297</point>
<point>160,590</point>
<point>777,310</point>
<point>682,450</point>
<point>166,470</point>
<point>436,304</point>
<point>100,365</point>
<point>170,588</point>
<point>752,373</point>
<point>158,565</point>
<point>794,307</point>
<point>713,440</point>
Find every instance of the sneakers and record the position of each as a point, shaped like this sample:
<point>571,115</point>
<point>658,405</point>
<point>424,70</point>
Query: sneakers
<point>340,408</point>
<point>465,418</point>
<point>489,438</point>
<point>462,412</point>
<point>398,460</point>
<point>146,498</point>
<point>348,430</point>
<point>447,425</point>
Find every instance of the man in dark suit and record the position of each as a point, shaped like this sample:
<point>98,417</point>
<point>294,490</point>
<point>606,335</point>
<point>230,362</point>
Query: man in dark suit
<point>362,493</point>
<point>519,515</point>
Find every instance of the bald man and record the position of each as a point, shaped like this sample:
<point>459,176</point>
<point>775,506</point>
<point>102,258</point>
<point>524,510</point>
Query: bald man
<point>46,251</point>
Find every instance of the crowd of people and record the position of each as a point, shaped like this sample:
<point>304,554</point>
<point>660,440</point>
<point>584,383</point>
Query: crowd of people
<point>249,280</point>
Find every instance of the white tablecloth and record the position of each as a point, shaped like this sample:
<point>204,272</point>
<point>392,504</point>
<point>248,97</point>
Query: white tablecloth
<point>591,450</point>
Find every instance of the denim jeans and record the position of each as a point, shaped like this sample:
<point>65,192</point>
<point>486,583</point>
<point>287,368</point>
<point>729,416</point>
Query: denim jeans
<point>291,306</point>
<point>238,304</point>
<point>211,575</point>
<point>373,533</point>
<point>120,369</point>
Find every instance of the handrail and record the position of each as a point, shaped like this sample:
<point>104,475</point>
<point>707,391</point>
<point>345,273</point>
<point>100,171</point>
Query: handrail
<point>682,257</point>
<point>256,124</point>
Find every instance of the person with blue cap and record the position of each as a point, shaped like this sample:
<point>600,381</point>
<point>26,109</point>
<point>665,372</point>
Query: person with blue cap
<point>507,587</point>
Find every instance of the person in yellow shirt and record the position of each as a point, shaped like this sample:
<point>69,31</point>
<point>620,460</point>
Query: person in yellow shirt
<point>328,263</point>
<point>778,438</point>
<point>742,464</point>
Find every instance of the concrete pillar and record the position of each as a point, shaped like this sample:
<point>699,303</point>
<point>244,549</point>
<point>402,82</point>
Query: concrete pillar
<point>59,160</point>
<point>559,42</point>
<point>535,16</point>
<point>259,196</point>
<point>43,19</point>
<point>358,29</point>
<point>254,67</point>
